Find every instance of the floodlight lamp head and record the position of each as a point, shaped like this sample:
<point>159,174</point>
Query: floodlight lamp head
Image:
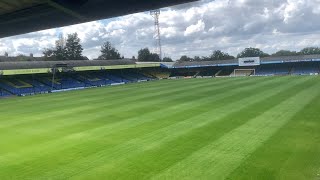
<point>156,11</point>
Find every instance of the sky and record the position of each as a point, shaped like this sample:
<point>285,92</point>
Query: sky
<point>192,29</point>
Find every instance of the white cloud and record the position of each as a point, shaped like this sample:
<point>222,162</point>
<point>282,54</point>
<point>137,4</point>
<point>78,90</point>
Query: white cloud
<point>169,32</point>
<point>94,39</point>
<point>291,9</point>
<point>193,29</point>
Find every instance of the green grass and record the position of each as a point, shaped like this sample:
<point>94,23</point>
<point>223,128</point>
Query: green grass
<point>228,128</point>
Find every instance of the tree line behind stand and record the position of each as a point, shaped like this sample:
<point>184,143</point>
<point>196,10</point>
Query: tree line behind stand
<point>71,49</point>
<point>251,52</point>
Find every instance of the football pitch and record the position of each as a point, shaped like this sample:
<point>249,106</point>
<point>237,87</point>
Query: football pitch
<point>217,128</point>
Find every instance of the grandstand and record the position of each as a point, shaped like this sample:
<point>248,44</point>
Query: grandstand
<point>36,77</point>
<point>27,78</point>
<point>285,65</point>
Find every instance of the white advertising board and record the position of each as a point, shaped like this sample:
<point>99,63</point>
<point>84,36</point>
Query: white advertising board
<point>249,61</point>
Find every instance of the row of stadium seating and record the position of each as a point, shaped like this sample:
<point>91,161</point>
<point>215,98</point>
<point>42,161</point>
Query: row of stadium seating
<point>263,70</point>
<point>159,73</point>
<point>35,84</point>
<point>283,69</point>
<point>272,70</point>
<point>4,93</point>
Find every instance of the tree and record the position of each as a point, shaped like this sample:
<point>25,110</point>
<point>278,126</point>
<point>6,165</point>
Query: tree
<point>285,53</point>
<point>144,55</point>
<point>22,57</point>
<point>60,52</point>
<point>205,58</point>
<point>197,58</point>
<point>310,50</point>
<point>108,52</point>
<point>219,55</point>
<point>167,59</point>
<point>48,54</point>
<point>73,48</point>
<point>154,57</point>
<point>185,58</point>
<point>252,52</point>
<point>61,41</point>
<point>85,58</point>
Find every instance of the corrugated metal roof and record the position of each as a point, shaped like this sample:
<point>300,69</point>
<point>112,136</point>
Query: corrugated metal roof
<point>235,61</point>
<point>50,64</point>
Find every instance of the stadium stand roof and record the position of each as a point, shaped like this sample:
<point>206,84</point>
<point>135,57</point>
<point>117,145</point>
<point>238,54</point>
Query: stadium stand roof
<point>50,64</point>
<point>34,64</point>
<point>20,58</point>
<point>23,16</point>
<point>203,63</point>
<point>291,58</point>
<point>234,62</point>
